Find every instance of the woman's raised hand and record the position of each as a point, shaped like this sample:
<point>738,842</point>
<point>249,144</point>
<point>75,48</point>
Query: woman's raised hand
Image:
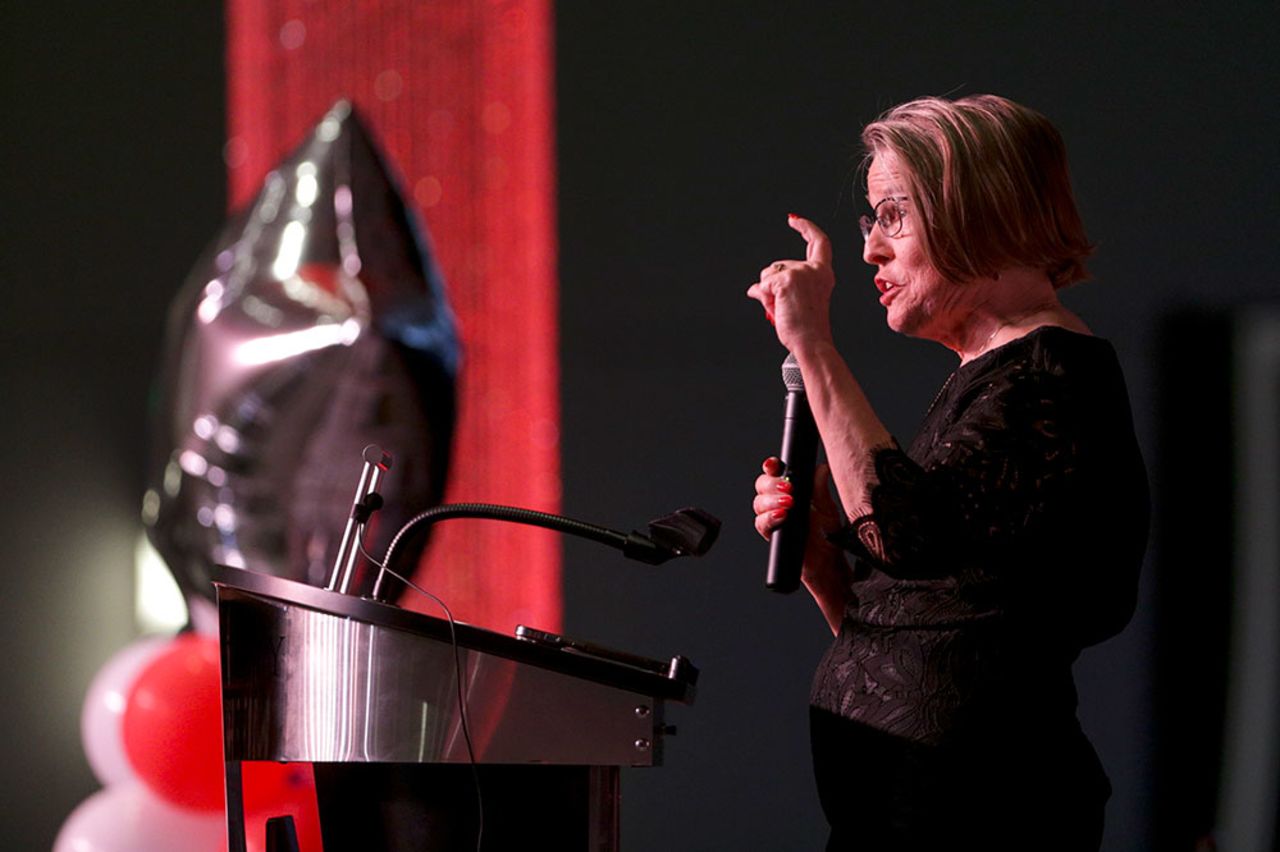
<point>796,294</point>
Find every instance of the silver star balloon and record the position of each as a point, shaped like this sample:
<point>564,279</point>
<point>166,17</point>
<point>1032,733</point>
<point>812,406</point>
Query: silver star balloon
<point>314,325</point>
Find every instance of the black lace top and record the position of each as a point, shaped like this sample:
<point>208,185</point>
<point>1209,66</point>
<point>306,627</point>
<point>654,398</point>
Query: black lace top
<point>1005,539</point>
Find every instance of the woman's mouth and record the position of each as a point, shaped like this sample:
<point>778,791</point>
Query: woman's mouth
<point>888,290</point>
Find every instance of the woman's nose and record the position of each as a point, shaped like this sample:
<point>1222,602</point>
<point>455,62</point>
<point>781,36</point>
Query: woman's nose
<point>876,248</point>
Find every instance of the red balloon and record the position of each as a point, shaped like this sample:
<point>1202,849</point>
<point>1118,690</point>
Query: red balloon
<point>173,725</point>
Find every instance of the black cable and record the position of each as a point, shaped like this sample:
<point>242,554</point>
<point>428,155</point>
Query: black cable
<point>460,674</point>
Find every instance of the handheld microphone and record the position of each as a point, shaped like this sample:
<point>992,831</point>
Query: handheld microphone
<point>799,456</point>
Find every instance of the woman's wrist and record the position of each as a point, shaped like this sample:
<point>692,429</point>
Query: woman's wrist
<point>811,348</point>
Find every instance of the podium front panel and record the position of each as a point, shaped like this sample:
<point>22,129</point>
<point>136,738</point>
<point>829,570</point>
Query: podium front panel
<point>301,684</point>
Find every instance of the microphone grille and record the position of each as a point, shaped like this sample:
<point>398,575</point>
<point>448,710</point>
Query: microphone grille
<point>791,374</point>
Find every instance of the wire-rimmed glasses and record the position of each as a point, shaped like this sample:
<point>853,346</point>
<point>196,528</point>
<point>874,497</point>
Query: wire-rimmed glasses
<point>887,214</point>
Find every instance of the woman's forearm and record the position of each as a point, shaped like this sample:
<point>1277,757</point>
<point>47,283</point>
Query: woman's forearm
<point>849,427</point>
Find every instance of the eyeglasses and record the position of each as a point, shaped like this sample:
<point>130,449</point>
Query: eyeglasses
<point>887,214</point>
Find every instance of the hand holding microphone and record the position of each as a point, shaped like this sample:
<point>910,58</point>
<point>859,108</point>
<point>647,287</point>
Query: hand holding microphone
<point>799,455</point>
<point>772,505</point>
<point>793,502</point>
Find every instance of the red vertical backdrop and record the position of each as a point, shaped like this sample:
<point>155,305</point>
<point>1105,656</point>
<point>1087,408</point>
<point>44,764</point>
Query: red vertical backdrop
<point>460,95</point>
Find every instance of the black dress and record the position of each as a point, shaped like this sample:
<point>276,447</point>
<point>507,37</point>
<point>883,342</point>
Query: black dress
<point>1007,538</point>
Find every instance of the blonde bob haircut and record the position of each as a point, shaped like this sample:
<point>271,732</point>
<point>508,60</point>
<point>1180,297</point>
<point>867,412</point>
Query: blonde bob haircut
<point>989,178</point>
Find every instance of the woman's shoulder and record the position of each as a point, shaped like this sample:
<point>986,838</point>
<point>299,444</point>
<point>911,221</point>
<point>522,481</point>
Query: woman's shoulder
<point>1049,370</point>
<point>1049,365</point>
<point>1049,352</point>
<point>1054,347</point>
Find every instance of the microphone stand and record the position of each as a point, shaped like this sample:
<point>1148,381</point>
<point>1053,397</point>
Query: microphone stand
<point>687,532</point>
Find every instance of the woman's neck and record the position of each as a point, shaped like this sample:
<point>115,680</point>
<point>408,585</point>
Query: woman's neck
<point>1013,305</point>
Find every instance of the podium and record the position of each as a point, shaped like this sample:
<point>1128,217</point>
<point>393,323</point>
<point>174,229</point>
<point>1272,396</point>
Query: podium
<point>368,694</point>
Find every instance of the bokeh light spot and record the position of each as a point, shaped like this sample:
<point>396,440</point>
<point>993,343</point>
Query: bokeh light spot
<point>428,191</point>
<point>293,34</point>
<point>388,85</point>
<point>235,152</point>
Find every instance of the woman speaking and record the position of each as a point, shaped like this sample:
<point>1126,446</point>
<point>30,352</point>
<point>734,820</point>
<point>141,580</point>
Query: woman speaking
<point>1004,539</point>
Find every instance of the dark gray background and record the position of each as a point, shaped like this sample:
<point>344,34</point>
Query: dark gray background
<point>687,132</point>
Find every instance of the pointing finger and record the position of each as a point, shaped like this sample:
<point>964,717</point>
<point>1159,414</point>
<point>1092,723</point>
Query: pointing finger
<point>819,245</point>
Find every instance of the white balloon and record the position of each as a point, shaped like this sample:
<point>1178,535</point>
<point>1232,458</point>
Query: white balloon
<point>127,818</point>
<point>102,718</point>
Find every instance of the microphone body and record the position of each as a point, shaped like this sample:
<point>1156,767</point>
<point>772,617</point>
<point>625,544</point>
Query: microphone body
<point>376,463</point>
<point>799,456</point>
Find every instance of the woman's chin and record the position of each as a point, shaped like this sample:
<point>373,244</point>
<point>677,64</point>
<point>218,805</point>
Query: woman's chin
<point>897,321</point>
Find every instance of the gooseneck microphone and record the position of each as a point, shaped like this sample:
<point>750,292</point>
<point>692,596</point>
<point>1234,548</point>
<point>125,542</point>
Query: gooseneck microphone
<point>799,456</point>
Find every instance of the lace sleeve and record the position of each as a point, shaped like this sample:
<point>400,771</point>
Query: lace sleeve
<point>983,483</point>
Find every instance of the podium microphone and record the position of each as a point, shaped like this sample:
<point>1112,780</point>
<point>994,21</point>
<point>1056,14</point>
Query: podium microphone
<point>799,456</point>
<point>367,500</point>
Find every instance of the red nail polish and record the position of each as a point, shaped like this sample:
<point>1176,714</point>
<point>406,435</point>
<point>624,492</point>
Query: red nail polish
<point>778,514</point>
<point>792,216</point>
<point>784,485</point>
<point>769,316</point>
